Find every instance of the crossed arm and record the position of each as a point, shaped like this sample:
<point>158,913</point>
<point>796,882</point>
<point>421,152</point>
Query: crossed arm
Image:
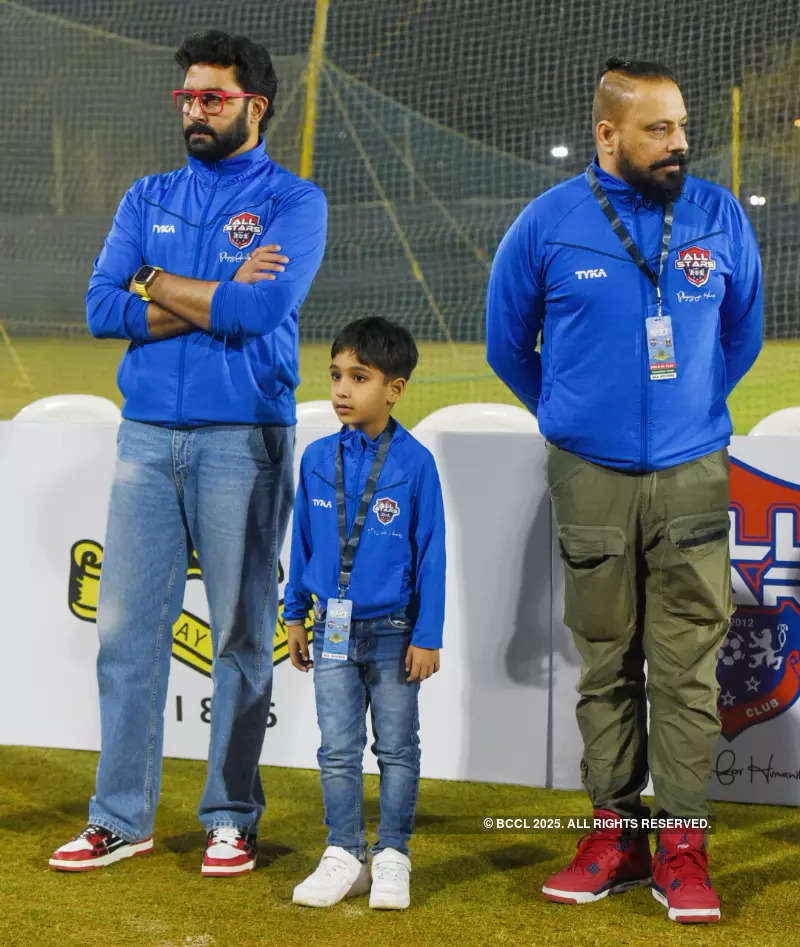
<point>180,305</point>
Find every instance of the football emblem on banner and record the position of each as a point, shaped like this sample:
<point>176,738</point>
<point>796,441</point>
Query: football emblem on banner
<point>696,265</point>
<point>759,661</point>
<point>242,229</point>
<point>191,634</point>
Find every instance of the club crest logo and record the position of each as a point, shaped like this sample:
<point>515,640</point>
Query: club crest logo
<point>696,265</point>
<point>191,634</point>
<point>242,229</point>
<point>386,509</point>
<point>759,661</point>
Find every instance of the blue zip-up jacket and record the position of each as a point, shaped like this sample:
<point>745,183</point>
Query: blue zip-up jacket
<point>561,271</point>
<point>400,559</point>
<point>202,221</point>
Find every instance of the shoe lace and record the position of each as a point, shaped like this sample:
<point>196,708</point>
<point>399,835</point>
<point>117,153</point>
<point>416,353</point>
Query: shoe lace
<point>225,835</point>
<point>692,866</point>
<point>388,871</point>
<point>330,867</point>
<point>592,848</point>
<point>92,829</point>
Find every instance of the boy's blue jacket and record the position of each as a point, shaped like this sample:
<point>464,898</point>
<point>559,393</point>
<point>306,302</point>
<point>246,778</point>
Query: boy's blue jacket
<point>562,271</point>
<point>400,560</point>
<point>203,221</point>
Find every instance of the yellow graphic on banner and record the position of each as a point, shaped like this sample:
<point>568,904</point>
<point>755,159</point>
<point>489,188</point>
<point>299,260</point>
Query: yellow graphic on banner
<point>191,635</point>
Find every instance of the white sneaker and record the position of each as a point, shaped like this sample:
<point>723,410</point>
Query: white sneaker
<point>338,875</point>
<point>390,871</point>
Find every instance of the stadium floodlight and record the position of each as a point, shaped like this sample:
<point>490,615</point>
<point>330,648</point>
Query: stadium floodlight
<point>757,200</point>
<point>559,151</point>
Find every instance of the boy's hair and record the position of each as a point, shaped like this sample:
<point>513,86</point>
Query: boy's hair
<point>387,345</point>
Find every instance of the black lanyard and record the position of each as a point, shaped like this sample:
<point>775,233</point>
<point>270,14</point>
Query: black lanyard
<point>348,545</point>
<point>627,240</point>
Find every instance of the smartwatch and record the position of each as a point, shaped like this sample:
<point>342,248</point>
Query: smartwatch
<point>143,279</point>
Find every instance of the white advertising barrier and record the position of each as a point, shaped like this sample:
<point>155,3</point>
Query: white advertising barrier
<point>483,717</point>
<point>757,758</point>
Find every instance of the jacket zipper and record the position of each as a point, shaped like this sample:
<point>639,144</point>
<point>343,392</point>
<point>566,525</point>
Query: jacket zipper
<point>643,352</point>
<point>184,340</point>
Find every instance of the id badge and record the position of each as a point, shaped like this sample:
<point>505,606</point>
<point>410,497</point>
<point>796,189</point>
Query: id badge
<point>337,629</point>
<point>661,348</point>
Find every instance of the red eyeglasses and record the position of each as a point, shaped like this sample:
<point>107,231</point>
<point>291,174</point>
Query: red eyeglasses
<point>212,101</point>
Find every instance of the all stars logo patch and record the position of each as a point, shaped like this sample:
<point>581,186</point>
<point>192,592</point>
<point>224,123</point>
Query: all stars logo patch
<point>386,509</point>
<point>696,265</point>
<point>242,229</point>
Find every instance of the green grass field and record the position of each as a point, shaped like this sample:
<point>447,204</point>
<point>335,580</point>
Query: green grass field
<point>35,367</point>
<point>469,886</point>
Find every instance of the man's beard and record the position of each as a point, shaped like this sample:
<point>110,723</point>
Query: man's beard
<point>659,190</point>
<point>219,144</point>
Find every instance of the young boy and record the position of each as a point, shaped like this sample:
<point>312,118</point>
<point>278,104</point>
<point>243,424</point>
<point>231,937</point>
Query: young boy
<point>368,543</point>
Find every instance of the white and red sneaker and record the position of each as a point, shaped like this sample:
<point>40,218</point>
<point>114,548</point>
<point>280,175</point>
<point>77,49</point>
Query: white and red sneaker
<point>96,847</point>
<point>228,852</point>
<point>607,862</point>
<point>680,877</point>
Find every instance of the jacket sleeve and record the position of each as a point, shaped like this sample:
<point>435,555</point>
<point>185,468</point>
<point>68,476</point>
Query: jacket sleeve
<point>514,312</point>
<point>427,540</point>
<point>111,311</point>
<point>296,601</point>
<point>299,228</point>
<point>742,310</point>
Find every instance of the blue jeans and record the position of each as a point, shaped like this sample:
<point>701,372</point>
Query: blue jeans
<point>226,491</point>
<point>373,676</point>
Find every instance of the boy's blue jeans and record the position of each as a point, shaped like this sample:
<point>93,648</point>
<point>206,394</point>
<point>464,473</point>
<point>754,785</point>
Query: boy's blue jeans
<point>225,490</point>
<point>373,676</point>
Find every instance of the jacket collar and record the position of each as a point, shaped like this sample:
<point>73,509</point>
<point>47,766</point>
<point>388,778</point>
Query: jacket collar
<point>231,170</point>
<point>358,439</point>
<point>618,188</point>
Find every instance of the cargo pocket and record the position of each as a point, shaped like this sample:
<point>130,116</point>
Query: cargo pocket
<point>598,599</point>
<point>695,571</point>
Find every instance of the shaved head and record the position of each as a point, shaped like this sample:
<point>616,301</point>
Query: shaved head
<point>617,84</point>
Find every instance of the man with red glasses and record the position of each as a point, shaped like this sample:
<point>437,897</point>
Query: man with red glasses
<point>194,274</point>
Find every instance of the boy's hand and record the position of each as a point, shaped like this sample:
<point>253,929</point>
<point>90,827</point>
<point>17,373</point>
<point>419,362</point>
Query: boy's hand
<point>298,647</point>
<point>421,662</point>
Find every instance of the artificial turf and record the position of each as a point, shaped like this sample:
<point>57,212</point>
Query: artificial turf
<point>468,885</point>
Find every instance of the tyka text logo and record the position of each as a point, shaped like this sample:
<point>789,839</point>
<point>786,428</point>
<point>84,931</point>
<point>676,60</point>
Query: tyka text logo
<point>591,274</point>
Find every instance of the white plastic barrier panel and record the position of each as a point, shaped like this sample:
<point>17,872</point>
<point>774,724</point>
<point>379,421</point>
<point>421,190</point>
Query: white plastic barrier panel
<point>483,717</point>
<point>502,707</point>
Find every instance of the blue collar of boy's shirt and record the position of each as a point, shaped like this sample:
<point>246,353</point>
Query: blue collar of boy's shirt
<point>232,169</point>
<point>351,439</point>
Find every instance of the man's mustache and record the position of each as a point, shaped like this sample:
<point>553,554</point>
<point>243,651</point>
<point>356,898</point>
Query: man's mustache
<point>198,128</point>
<point>677,159</point>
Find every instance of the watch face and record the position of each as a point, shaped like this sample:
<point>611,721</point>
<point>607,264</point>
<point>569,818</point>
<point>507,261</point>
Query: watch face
<point>143,274</point>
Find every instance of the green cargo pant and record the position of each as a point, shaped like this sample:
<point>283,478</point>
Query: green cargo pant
<point>647,578</point>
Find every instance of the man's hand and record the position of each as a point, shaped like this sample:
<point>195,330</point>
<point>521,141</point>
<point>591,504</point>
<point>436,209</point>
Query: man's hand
<point>421,662</point>
<point>298,647</point>
<point>264,263</point>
